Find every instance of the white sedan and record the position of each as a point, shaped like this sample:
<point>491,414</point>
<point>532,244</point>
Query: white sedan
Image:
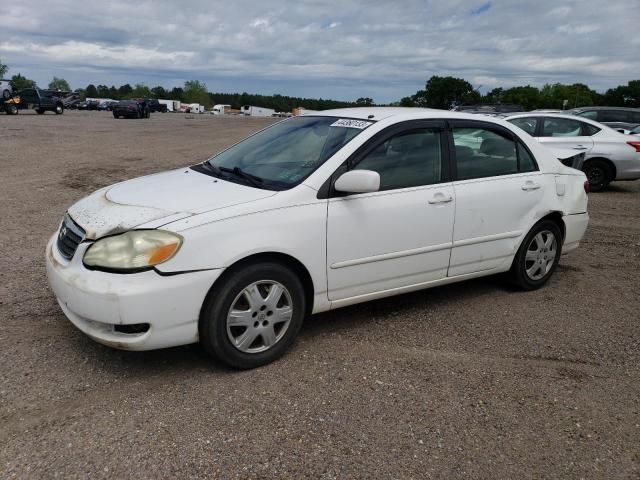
<point>609,154</point>
<point>308,215</point>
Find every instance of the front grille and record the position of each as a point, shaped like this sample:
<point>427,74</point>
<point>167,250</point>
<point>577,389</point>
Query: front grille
<point>69,237</point>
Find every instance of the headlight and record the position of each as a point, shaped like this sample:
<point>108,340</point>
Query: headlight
<point>134,250</point>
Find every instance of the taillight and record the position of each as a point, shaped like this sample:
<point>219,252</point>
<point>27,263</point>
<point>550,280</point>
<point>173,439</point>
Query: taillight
<point>635,145</point>
<point>587,186</point>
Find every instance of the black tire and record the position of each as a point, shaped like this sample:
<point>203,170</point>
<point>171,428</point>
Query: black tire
<point>147,113</point>
<point>59,109</point>
<point>115,116</point>
<point>12,109</point>
<point>6,94</point>
<point>212,327</point>
<point>599,174</point>
<point>39,111</point>
<point>521,265</point>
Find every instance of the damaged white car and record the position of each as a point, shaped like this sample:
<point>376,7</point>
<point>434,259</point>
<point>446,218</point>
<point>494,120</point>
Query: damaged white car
<point>311,214</point>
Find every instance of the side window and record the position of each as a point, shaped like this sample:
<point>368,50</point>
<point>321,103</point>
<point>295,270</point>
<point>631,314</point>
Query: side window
<point>409,159</point>
<point>589,130</point>
<point>482,153</point>
<point>525,160</point>
<point>590,114</point>
<point>28,95</point>
<point>615,116</point>
<point>528,124</point>
<point>561,127</point>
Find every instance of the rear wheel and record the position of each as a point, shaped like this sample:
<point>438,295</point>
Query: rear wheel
<point>253,316</point>
<point>6,94</point>
<point>12,109</point>
<point>538,256</point>
<point>59,109</point>
<point>39,111</point>
<point>599,174</point>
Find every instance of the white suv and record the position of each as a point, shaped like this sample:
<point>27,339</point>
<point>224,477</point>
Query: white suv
<point>5,88</point>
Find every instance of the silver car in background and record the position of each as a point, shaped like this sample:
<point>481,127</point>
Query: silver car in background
<point>609,155</point>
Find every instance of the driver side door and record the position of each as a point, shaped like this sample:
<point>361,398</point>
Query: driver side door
<point>401,235</point>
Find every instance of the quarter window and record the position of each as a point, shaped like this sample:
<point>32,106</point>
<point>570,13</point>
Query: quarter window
<point>409,159</point>
<point>561,127</point>
<point>482,153</point>
<point>590,129</point>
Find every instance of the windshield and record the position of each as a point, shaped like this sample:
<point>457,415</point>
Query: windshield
<point>286,153</point>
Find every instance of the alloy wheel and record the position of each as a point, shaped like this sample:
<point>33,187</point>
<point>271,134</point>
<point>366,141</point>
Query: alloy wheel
<point>259,316</point>
<point>541,255</point>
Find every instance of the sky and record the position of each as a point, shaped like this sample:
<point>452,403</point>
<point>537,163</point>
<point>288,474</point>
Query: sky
<point>339,49</point>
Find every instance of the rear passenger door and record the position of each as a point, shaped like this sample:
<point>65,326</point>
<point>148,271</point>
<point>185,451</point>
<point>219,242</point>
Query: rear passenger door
<point>498,188</point>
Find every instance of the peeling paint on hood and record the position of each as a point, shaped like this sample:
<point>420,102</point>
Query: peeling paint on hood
<point>155,200</point>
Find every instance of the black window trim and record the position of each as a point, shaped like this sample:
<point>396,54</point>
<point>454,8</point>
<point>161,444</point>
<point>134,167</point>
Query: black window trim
<point>327,191</point>
<point>451,124</point>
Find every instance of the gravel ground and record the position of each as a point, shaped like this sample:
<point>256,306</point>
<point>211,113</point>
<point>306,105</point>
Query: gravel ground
<point>468,380</point>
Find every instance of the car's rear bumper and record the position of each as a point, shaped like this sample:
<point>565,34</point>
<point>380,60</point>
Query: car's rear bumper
<point>95,302</point>
<point>575,226</point>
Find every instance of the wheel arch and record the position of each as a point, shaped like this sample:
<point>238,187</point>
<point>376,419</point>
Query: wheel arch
<point>282,258</point>
<point>612,167</point>
<point>555,216</point>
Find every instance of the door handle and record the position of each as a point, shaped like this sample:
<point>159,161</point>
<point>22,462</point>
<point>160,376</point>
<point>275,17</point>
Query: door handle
<point>579,147</point>
<point>530,186</point>
<point>440,198</point>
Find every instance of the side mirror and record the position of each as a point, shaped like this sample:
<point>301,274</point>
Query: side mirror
<point>358,181</point>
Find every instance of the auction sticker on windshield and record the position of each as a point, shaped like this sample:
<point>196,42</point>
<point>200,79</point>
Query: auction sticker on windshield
<point>350,123</point>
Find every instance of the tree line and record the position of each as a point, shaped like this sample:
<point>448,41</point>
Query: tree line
<point>439,92</point>
<point>446,92</point>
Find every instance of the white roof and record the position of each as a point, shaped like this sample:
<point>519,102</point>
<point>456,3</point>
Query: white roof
<point>381,113</point>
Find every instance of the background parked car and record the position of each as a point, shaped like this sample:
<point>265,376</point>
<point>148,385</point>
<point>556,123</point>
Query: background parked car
<point>6,89</point>
<point>615,117</point>
<point>131,109</point>
<point>609,155</point>
<point>106,106</point>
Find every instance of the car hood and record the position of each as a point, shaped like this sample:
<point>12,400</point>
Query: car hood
<point>154,200</point>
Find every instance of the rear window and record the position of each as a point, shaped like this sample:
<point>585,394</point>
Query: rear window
<point>561,127</point>
<point>528,124</point>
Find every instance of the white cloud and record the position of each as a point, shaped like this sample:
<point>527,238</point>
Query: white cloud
<point>324,48</point>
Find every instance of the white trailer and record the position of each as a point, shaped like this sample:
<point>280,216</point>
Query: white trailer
<point>220,109</point>
<point>168,103</point>
<point>252,111</point>
<point>196,108</point>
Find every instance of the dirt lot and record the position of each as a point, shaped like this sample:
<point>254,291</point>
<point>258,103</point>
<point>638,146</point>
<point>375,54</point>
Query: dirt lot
<point>470,380</point>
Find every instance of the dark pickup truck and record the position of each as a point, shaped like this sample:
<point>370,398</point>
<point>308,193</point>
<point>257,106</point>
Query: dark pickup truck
<point>39,100</point>
<point>155,105</point>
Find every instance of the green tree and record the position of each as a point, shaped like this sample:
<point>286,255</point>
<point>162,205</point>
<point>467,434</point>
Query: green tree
<point>91,91</point>
<point>159,92</point>
<point>443,92</point>
<point>3,69</point>
<point>125,91</point>
<point>407,102</point>
<point>196,92</point>
<point>528,97</point>
<point>176,93</point>
<point>59,84</point>
<point>140,91</point>
<point>364,102</point>
<point>19,82</point>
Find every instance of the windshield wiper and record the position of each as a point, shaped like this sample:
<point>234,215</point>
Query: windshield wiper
<point>252,179</point>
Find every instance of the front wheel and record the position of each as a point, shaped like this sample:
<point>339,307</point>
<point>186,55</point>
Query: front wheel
<point>39,111</point>
<point>253,316</point>
<point>599,175</point>
<point>59,109</point>
<point>538,256</point>
<point>12,109</point>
